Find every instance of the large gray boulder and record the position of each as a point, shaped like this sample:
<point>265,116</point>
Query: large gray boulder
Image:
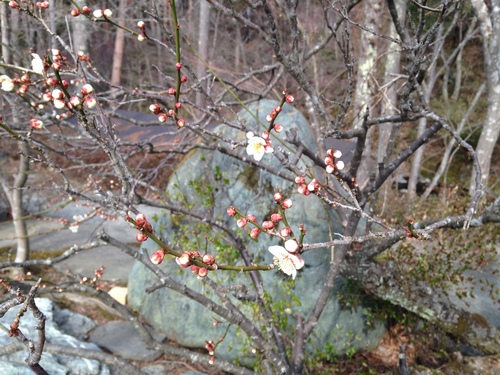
<point>209,183</point>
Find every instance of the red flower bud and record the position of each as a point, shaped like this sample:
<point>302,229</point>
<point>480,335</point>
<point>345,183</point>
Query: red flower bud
<point>254,233</point>
<point>14,5</point>
<point>158,256</point>
<point>202,272</point>
<point>285,232</point>
<point>277,197</point>
<point>184,79</point>
<point>268,225</point>
<point>171,91</point>
<point>208,259</point>
<point>140,219</point>
<point>180,123</point>
<point>178,66</point>
<point>155,108</point>
<point>289,99</point>
<point>241,222</point>
<point>287,203</point>
<point>275,218</point>
<point>231,211</point>
<point>162,117</point>
<point>251,218</point>
<point>300,180</point>
<point>75,12</point>
<point>141,237</point>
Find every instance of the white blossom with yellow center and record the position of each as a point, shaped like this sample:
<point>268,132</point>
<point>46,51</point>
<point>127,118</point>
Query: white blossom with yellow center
<point>256,147</point>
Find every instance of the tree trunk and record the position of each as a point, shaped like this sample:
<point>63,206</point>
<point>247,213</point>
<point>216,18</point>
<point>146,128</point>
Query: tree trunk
<point>203,41</point>
<point>490,30</point>
<point>363,94</point>
<point>5,30</point>
<point>116,71</point>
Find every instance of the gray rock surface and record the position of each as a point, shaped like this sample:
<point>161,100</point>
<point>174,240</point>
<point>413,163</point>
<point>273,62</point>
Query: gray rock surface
<point>251,191</point>
<point>121,338</point>
<point>53,364</point>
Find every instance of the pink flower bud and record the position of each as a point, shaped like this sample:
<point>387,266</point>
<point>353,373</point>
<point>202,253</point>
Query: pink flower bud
<point>162,117</point>
<point>90,102</point>
<point>231,211</point>
<point>254,233</point>
<point>23,89</point>
<point>47,96</point>
<point>289,99</point>
<point>141,25</point>
<point>158,256</point>
<point>340,165</point>
<point>140,219</point>
<point>269,118</point>
<point>329,160</point>
<point>141,237</point>
<point>211,360</point>
<point>141,37</point>
<point>171,112</point>
<point>65,83</point>
<point>57,94</point>
<point>265,135</point>
<point>155,108</point>
<point>313,186</point>
<point>36,124</point>
<point>291,246</point>
<point>171,91</point>
<point>184,261</point>
<point>86,10</point>
<point>59,103</point>
<point>75,101</point>
<point>51,81</point>
<point>184,79</point>
<point>251,218</point>
<point>107,13</point>
<point>241,222</point>
<point>203,272</point>
<point>178,105</point>
<point>56,65</point>
<point>278,128</point>
<point>330,168</point>
<point>277,109</point>
<point>87,89</point>
<point>267,224</point>
<point>277,197</point>
<point>195,269</point>
<point>13,5</point>
<point>285,232</point>
<point>275,218</point>
<point>180,123</point>
<point>208,259</point>
<point>178,66</point>
<point>98,13</point>
<point>75,12</point>
<point>300,180</point>
<point>148,227</point>
<point>287,203</point>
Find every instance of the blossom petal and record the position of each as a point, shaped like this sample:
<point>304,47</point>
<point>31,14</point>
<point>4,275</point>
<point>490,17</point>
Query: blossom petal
<point>37,64</point>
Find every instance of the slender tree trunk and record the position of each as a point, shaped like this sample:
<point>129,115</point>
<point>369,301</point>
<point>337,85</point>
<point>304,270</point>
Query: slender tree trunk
<point>363,94</point>
<point>116,72</point>
<point>80,31</point>
<point>203,42</point>
<point>490,30</point>
<point>14,193</point>
<point>5,30</point>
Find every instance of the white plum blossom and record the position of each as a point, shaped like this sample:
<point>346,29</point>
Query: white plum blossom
<point>7,84</point>
<point>285,261</point>
<point>37,64</point>
<point>256,148</point>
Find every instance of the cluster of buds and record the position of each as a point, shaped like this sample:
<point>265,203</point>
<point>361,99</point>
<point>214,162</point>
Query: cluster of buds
<point>142,224</point>
<point>267,225</point>
<point>210,346</point>
<point>102,13</point>
<point>42,4</point>
<point>307,188</point>
<point>333,165</point>
<point>142,36</point>
<point>99,272</point>
<point>164,115</point>
<point>187,259</point>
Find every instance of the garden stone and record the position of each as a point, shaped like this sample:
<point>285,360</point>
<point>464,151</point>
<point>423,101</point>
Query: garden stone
<point>211,182</point>
<point>52,363</point>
